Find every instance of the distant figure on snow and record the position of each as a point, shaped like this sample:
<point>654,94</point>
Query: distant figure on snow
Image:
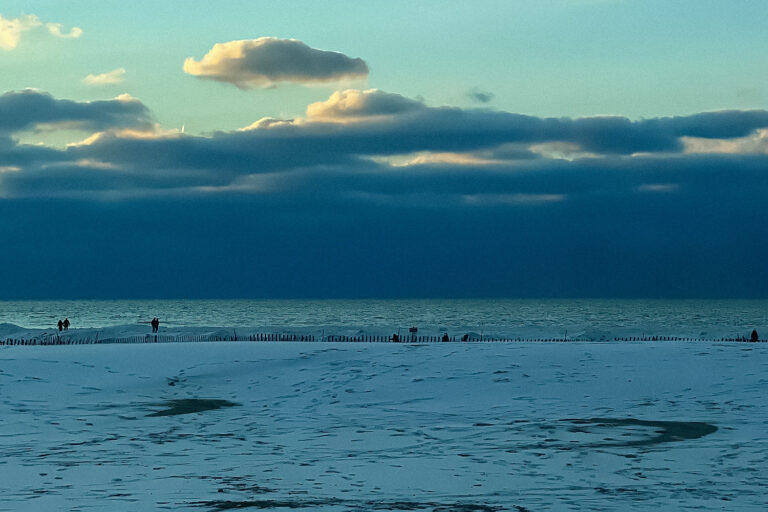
<point>445,337</point>
<point>60,325</point>
<point>66,324</point>
<point>395,338</point>
<point>754,336</point>
<point>155,324</point>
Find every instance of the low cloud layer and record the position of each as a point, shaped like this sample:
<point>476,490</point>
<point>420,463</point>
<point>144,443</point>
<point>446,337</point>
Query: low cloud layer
<point>440,201</point>
<point>266,61</point>
<point>376,122</point>
<point>354,134</point>
<point>625,227</point>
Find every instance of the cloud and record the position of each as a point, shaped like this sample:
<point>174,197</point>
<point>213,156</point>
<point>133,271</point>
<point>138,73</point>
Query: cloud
<point>360,144</point>
<point>116,76</point>
<point>11,30</point>
<point>55,30</point>
<point>376,123</point>
<point>658,187</point>
<point>755,143</point>
<point>31,109</point>
<point>489,204</point>
<point>549,228</point>
<point>511,199</point>
<point>351,104</point>
<point>479,96</point>
<point>348,106</point>
<point>267,61</point>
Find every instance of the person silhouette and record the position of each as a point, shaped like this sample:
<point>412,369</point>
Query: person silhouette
<point>66,324</point>
<point>754,336</point>
<point>60,325</point>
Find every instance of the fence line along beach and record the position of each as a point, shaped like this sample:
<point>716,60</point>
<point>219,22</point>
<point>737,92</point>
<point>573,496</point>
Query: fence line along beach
<point>231,335</point>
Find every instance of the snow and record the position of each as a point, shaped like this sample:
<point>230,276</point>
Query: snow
<point>346,427</point>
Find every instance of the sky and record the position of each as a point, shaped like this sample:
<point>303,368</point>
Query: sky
<point>548,148</point>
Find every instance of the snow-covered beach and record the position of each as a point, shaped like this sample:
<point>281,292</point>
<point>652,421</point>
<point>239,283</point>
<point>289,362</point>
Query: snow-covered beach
<point>338,427</point>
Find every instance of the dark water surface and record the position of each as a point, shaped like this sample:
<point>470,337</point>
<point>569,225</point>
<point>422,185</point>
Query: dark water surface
<point>681,316</point>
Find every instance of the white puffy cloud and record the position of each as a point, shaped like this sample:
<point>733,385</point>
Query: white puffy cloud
<point>116,76</point>
<point>11,30</point>
<point>263,62</point>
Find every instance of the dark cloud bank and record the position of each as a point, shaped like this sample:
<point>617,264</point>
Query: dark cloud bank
<point>27,109</point>
<point>308,208</point>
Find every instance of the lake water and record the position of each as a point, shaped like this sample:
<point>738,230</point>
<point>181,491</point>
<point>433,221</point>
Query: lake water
<point>693,317</point>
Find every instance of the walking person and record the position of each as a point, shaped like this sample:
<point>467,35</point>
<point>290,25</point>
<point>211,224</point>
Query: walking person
<point>66,324</point>
<point>60,325</point>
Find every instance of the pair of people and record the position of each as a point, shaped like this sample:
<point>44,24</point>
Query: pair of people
<point>63,325</point>
<point>155,323</point>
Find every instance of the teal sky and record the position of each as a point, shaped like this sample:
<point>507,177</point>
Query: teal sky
<point>543,57</point>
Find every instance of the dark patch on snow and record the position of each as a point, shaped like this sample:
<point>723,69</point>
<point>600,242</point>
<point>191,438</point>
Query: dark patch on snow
<point>665,431</point>
<point>217,505</point>
<point>190,406</point>
<point>235,484</point>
